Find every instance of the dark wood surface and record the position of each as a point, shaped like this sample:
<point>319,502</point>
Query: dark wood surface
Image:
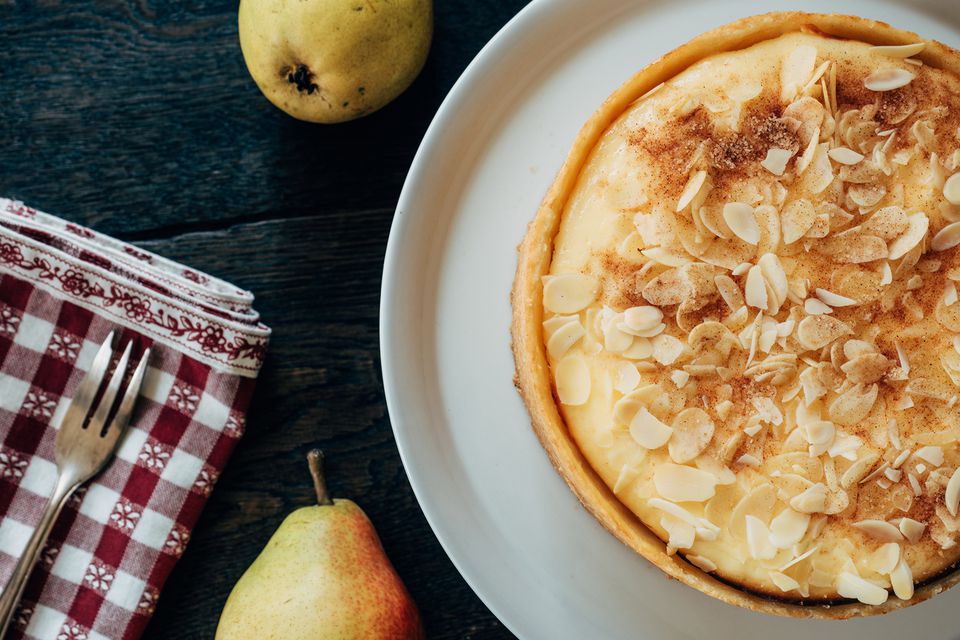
<point>138,117</point>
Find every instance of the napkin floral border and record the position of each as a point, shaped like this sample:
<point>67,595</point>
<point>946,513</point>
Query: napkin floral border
<point>229,346</point>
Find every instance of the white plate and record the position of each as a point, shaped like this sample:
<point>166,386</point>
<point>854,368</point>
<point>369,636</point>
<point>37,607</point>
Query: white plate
<point>541,563</point>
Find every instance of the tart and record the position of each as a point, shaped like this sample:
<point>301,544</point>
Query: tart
<point>736,318</point>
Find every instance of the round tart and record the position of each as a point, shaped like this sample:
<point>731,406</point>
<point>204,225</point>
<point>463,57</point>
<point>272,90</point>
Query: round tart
<point>736,318</point>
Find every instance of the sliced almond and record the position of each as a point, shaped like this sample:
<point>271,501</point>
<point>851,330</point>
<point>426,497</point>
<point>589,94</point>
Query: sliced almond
<point>569,292</point>
<point>946,238</point>
<point>788,528</point>
<point>665,257</point>
<point>853,405</point>
<point>816,332</point>
<point>866,196</point>
<point>844,155</point>
<point>729,291</point>
<point>819,435</point>
<point>691,189</point>
<point>951,189</point>
<point>758,539</point>
<point>642,318</point>
<point>628,377</point>
<point>755,290</point>
<point>739,217</point>
<point>674,510</point>
<point>834,299</point>
<point>854,248</point>
<point>813,500</point>
<point>639,349</point>
<point>680,483</point>
<point>648,431</point>
<point>899,50</point>
<point>758,503</point>
<point>666,349</point>
<point>901,579</point>
<point>887,223</point>
<point>809,152</point>
<point>702,562</point>
<point>932,454</point>
<point>776,160</point>
<point>815,307</point>
<point>784,582</point>
<point>853,586</point>
<point>888,79</point>
<point>572,377</point>
<point>858,470</point>
<point>951,496</point>
<point>867,368</point>
<point>776,280</point>
<point>911,529</point>
<point>796,70</point>
<point>918,223</point>
<point>796,219</point>
<point>880,530</point>
<point>564,338</point>
<point>692,432</point>
<point>885,558</point>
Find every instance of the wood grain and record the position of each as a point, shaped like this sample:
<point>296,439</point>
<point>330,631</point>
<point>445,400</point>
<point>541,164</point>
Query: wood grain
<point>137,117</point>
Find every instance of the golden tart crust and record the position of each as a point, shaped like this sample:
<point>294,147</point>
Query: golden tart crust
<point>734,315</point>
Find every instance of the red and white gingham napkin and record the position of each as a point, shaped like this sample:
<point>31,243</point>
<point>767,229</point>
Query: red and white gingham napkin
<point>63,288</point>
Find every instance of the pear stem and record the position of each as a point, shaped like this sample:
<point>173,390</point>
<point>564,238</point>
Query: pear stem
<point>315,462</point>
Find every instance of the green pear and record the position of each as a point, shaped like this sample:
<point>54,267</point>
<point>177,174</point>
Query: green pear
<point>322,576</point>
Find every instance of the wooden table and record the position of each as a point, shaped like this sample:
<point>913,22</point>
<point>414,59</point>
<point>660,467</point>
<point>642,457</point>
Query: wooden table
<point>138,117</point>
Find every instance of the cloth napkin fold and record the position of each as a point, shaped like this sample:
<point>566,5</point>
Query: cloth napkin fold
<point>63,288</point>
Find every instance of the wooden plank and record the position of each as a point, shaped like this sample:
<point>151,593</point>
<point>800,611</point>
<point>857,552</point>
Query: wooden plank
<point>139,118</point>
<point>133,116</point>
<point>317,281</point>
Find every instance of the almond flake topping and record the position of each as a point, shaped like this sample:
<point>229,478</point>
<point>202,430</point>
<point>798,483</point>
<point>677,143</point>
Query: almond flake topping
<point>796,219</point>
<point>815,307</point>
<point>951,497</point>
<point>702,562</point>
<point>573,380</point>
<point>692,432</point>
<point>911,529</point>
<point>776,160</point>
<point>648,431</point>
<point>932,454</point>
<point>845,155</point>
<point>569,293</point>
<point>879,529</point>
<point>834,299</point>
<point>563,338</point>
<point>755,291</point>
<point>788,528</point>
<point>885,559</point>
<point>901,579</point>
<point>680,483</point>
<point>951,189</point>
<point>946,238</point>
<point>739,217</point>
<point>692,188</point>
<point>758,539</point>
<point>914,235</point>
<point>899,51</point>
<point>853,586</point>
<point>783,582</point>
<point>888,79</point>
<point>813,500</point>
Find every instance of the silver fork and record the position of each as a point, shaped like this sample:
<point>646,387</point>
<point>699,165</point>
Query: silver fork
<point>85,442</point>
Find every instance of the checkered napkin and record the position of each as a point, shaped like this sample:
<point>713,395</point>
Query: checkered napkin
<point>63,288</point>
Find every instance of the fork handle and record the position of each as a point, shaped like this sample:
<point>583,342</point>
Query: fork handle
<point>18,581</point>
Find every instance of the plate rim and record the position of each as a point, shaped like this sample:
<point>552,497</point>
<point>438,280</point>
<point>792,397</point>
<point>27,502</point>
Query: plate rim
<point>392,257</point>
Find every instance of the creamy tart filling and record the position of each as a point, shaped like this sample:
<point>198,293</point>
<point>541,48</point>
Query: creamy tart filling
<point>752,319</point>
